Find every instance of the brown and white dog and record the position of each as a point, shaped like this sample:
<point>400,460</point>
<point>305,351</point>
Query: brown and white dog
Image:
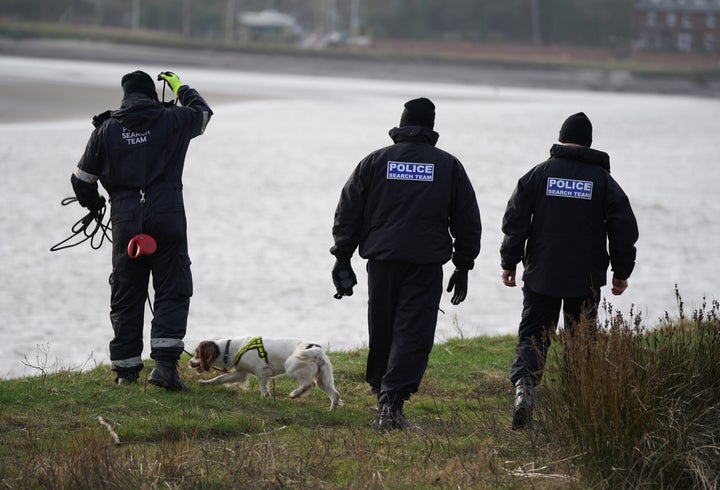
<point>238,358</point>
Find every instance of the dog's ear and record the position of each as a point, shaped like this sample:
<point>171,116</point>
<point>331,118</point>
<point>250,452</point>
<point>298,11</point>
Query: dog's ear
<point>206,353</point>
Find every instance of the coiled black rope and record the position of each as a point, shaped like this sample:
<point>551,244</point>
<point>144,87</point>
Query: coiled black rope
<point>86,228</point>
<point>83,227</point>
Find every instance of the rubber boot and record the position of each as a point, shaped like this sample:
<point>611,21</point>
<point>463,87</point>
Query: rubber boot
<point>522,417</point>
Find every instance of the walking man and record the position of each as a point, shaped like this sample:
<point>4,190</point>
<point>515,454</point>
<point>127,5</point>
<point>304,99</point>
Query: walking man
<point>410,208</point>
<point>560,221</point>
<point>138,153</point>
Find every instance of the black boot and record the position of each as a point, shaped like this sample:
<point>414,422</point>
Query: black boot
<point>127,376</point>
<point>391,417</point>
<point>399,417</point>
<point>126,379</point>
<point>384,421</point>
<point>522,417</point>
<point>165,375</point>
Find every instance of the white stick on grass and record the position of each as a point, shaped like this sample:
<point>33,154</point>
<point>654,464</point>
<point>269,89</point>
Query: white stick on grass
<point>116,438</point>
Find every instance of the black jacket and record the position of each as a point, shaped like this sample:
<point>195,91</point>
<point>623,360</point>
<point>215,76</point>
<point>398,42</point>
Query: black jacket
<point>560,220</point>
<point>139,146</point>
<point>406,202</point>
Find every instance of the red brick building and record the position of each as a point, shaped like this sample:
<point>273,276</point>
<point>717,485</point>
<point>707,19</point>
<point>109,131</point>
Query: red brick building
<point>690,26</point>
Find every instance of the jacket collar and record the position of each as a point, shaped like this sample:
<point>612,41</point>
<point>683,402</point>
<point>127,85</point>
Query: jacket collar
<point>418,134</point>
<point>138,112</point>
<point>135,98</point>
<point>581,154</point>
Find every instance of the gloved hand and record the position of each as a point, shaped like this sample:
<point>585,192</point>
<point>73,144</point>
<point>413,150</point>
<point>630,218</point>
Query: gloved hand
<point>91,202</point>
<point>459,282</point>
<point>98,204</point>
<point>172,80</point>
<point>343,277</point>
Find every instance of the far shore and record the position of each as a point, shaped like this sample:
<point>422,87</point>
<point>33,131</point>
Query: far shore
<point>391,68</point>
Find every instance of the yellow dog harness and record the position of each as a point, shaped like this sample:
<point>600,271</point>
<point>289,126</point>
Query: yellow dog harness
<point>254,344</point>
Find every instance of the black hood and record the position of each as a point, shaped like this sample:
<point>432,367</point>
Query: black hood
<point>417,134</point>
<point>138,112</point>
<point>581,154</point>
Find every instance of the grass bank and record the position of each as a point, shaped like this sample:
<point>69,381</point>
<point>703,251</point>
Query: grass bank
<point>56,431</point>
<point>620,407</point>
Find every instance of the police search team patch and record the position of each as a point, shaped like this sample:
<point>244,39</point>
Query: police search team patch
<point>576,189</point>
<point>410,171</point>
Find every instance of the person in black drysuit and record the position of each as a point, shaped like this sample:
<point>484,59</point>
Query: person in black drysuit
<point>138,153</point>
<point>402,206</point>
<point>559,221</point>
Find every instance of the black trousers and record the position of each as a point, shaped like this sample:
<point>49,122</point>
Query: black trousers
<point>402,316</point>
<point>162,216</point>
<point>539,318</point>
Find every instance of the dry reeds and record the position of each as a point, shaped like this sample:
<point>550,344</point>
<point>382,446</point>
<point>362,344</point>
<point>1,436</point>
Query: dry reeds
<point>641,407</point>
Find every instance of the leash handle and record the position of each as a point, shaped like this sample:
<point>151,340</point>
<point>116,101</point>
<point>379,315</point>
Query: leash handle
<point>141,244</point>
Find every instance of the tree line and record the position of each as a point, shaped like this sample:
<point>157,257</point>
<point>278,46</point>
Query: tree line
<point>543,22</point>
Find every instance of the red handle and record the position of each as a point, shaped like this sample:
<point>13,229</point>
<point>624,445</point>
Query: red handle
<point>141,245</point>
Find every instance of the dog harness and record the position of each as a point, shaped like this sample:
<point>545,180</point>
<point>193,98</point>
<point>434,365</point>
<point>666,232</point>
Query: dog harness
<point>254,344</point>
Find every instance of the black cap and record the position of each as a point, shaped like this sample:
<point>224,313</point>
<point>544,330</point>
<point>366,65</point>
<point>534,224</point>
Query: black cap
<point>576,129</point>
<point>139,82</point>
<point>418,112</point>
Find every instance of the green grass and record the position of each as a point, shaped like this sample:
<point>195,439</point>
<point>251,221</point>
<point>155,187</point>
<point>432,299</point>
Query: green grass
<point>212,436</point>
<point>619,407</point>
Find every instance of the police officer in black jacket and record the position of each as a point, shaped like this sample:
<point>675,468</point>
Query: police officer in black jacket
<point>138,153</point>
<point>560,221</point>
<point>403,206</point>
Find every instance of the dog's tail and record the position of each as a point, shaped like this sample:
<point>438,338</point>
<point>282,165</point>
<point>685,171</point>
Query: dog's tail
<point>312,353</point>
<point>324,377</point>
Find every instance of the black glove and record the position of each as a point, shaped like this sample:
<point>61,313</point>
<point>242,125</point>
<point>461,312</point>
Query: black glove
<point>87,194</point>
<point>98,204</point>
<point>344,278</point>
<point>458,281</point>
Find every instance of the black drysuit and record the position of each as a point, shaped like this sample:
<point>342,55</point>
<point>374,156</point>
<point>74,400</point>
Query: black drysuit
<point>402,206</point>
<point>138,154</point>
<point>560,221</point>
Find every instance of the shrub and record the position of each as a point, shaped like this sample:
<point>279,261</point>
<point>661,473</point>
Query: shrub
<point>639,407</point>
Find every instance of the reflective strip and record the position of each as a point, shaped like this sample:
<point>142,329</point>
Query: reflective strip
<point>127,363</point>
<point>166,343</point>
<point>206,118</point>
<point>85,176</point>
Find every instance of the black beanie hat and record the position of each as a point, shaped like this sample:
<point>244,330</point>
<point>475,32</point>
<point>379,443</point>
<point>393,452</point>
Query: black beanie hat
<point>577,129</point>
<point>418,112</point>
<point>139,82</point>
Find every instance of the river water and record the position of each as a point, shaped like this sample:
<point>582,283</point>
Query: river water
<point>262,183</point>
